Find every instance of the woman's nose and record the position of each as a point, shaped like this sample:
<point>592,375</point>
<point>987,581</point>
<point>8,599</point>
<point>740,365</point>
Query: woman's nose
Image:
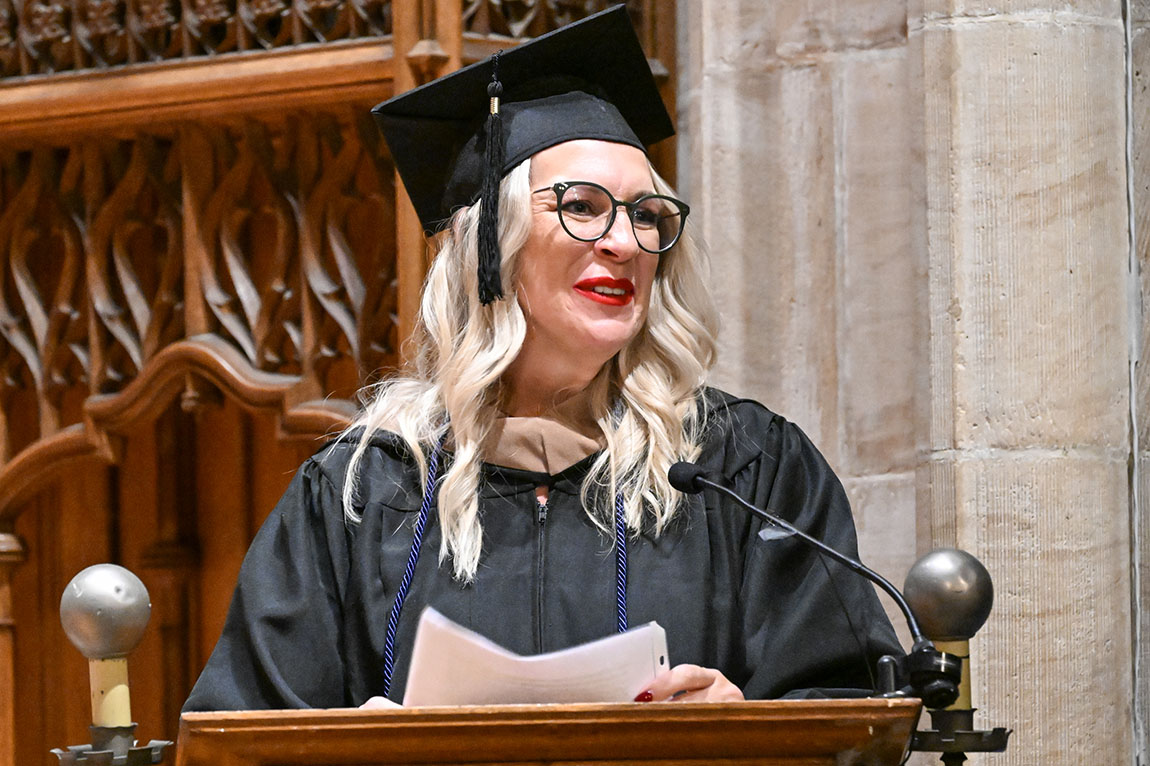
<point>619,241</point>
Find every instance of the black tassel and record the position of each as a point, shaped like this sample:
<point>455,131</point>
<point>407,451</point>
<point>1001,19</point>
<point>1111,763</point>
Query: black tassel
<point>490,258</point>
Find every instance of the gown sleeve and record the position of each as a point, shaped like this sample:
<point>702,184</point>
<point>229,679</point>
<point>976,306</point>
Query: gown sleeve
<point>812,628</point>
<point>281,643</point>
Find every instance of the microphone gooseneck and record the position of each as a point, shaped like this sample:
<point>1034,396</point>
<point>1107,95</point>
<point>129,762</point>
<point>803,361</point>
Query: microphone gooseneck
<point>933,676</point>
<point>691,479</point>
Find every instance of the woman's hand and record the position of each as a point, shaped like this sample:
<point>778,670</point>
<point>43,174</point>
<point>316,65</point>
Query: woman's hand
<point>691,683</point>
<point>379,703</point>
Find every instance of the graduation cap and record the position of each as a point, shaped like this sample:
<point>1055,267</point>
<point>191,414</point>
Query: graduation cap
<point>455,138</point>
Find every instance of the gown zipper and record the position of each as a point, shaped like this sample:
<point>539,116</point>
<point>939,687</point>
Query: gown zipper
<point>540,561</point>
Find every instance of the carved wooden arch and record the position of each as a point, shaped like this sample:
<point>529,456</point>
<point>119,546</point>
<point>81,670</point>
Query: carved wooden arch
<point>107,418</point>
<point>198,370</point>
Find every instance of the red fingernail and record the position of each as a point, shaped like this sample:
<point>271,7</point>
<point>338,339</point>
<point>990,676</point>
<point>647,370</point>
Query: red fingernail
<point>646,696</point>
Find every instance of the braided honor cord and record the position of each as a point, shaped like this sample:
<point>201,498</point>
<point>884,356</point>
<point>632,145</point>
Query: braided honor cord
<point>620,565</point>
<point>409,571</point>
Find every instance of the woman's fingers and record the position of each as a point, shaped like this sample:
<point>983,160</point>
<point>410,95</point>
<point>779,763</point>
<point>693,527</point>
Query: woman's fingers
<point>691,683</point>
<point>379,703</point>
<point>687,683</point>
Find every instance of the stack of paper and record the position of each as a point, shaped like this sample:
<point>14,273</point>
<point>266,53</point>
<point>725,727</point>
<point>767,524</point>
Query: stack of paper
<point>451,665</point>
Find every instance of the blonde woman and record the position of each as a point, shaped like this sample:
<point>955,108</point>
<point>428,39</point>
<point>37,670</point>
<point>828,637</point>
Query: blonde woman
<point>516,477</point>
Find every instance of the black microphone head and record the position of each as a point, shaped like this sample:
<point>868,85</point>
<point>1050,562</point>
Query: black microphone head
<point>684,477</point>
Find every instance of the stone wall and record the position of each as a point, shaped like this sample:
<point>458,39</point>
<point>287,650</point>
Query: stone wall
<point>796,156</point>
<point>920,227</point>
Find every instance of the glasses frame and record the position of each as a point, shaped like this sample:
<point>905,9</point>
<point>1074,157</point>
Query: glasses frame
<point>561,188</point>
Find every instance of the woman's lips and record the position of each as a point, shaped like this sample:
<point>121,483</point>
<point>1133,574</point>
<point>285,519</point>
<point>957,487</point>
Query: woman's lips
<point>612,292</point>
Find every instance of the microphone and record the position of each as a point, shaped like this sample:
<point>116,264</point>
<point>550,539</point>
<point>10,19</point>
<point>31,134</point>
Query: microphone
<point>685,477</point>
<point>933,676</point>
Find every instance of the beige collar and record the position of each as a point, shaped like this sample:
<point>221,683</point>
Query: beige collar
<point>546,443</point>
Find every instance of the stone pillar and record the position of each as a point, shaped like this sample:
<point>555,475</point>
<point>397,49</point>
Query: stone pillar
<point>1023,128</point>
<point>794,127</point>
<point>1140,102</point>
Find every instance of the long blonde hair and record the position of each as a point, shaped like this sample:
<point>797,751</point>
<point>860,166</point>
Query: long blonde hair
<point>646,400</point>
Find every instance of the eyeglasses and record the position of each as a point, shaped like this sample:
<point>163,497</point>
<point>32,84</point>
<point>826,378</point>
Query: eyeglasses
<point>587,212</point>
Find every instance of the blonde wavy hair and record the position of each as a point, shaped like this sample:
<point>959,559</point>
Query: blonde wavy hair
<point>646,400</point>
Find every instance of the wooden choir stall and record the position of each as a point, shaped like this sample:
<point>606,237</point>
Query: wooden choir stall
<point>204,253</point>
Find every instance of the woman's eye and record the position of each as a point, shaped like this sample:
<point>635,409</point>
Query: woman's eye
<point>578,207</point>
<point>645,217</point>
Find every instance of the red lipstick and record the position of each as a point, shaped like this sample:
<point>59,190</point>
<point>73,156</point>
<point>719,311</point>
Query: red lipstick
<point>606,290</point>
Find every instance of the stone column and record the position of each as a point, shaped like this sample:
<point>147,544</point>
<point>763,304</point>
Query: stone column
<point>1023,127</point>
<point>794,127</point>
<point>1139,35</point>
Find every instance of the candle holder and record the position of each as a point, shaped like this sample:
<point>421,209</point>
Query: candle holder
<point>104,611</point>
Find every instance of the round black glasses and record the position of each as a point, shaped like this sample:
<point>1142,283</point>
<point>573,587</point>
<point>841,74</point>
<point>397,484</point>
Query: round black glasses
<point>587,212</point>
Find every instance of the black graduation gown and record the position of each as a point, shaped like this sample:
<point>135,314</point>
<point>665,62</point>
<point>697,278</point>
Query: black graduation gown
<point>307,622</point>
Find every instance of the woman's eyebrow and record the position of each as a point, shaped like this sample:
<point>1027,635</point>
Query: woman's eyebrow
<point>636,195</point>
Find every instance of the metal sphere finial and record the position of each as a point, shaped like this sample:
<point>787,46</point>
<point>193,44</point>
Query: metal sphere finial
<point>104,611</point>
<point>951,593</point>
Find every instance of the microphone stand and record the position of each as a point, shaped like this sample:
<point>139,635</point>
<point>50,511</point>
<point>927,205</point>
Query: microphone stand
<point>926,672</point>
<point>933,676</point>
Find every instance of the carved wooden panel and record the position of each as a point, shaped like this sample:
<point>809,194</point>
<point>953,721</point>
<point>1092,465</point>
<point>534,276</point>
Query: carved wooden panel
<point>179,510</point>
<point>49,36</point>
<point>165,302</point>
<point>291,246</point>
<point>201,261</point>
<point>530,18</point>
<point>295,245</point>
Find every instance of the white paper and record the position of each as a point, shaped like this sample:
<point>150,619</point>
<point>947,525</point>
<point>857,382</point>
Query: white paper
<point>451,665</point>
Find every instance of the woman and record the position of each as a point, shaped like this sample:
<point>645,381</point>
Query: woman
<point>530,445</point>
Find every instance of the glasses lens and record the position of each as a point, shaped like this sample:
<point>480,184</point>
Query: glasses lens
<point>658,222</point>
<point>585,210</point>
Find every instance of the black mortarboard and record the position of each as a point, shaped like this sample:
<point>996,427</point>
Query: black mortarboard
<point>589,79</point>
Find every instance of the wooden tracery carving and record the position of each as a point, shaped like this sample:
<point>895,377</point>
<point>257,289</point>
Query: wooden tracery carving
<point>42,246</point>
<point>529,18</point>
<point>48,36</point>
<point>133,255</point>
<point>146,280</point>
<point>203,255</point>
<point>322,204</point>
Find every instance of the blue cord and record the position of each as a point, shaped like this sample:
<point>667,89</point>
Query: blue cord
<point>620,565</point>
<point>408,572</point>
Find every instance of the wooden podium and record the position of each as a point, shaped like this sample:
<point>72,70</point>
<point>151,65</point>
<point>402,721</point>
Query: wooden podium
<point>790,733</point>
